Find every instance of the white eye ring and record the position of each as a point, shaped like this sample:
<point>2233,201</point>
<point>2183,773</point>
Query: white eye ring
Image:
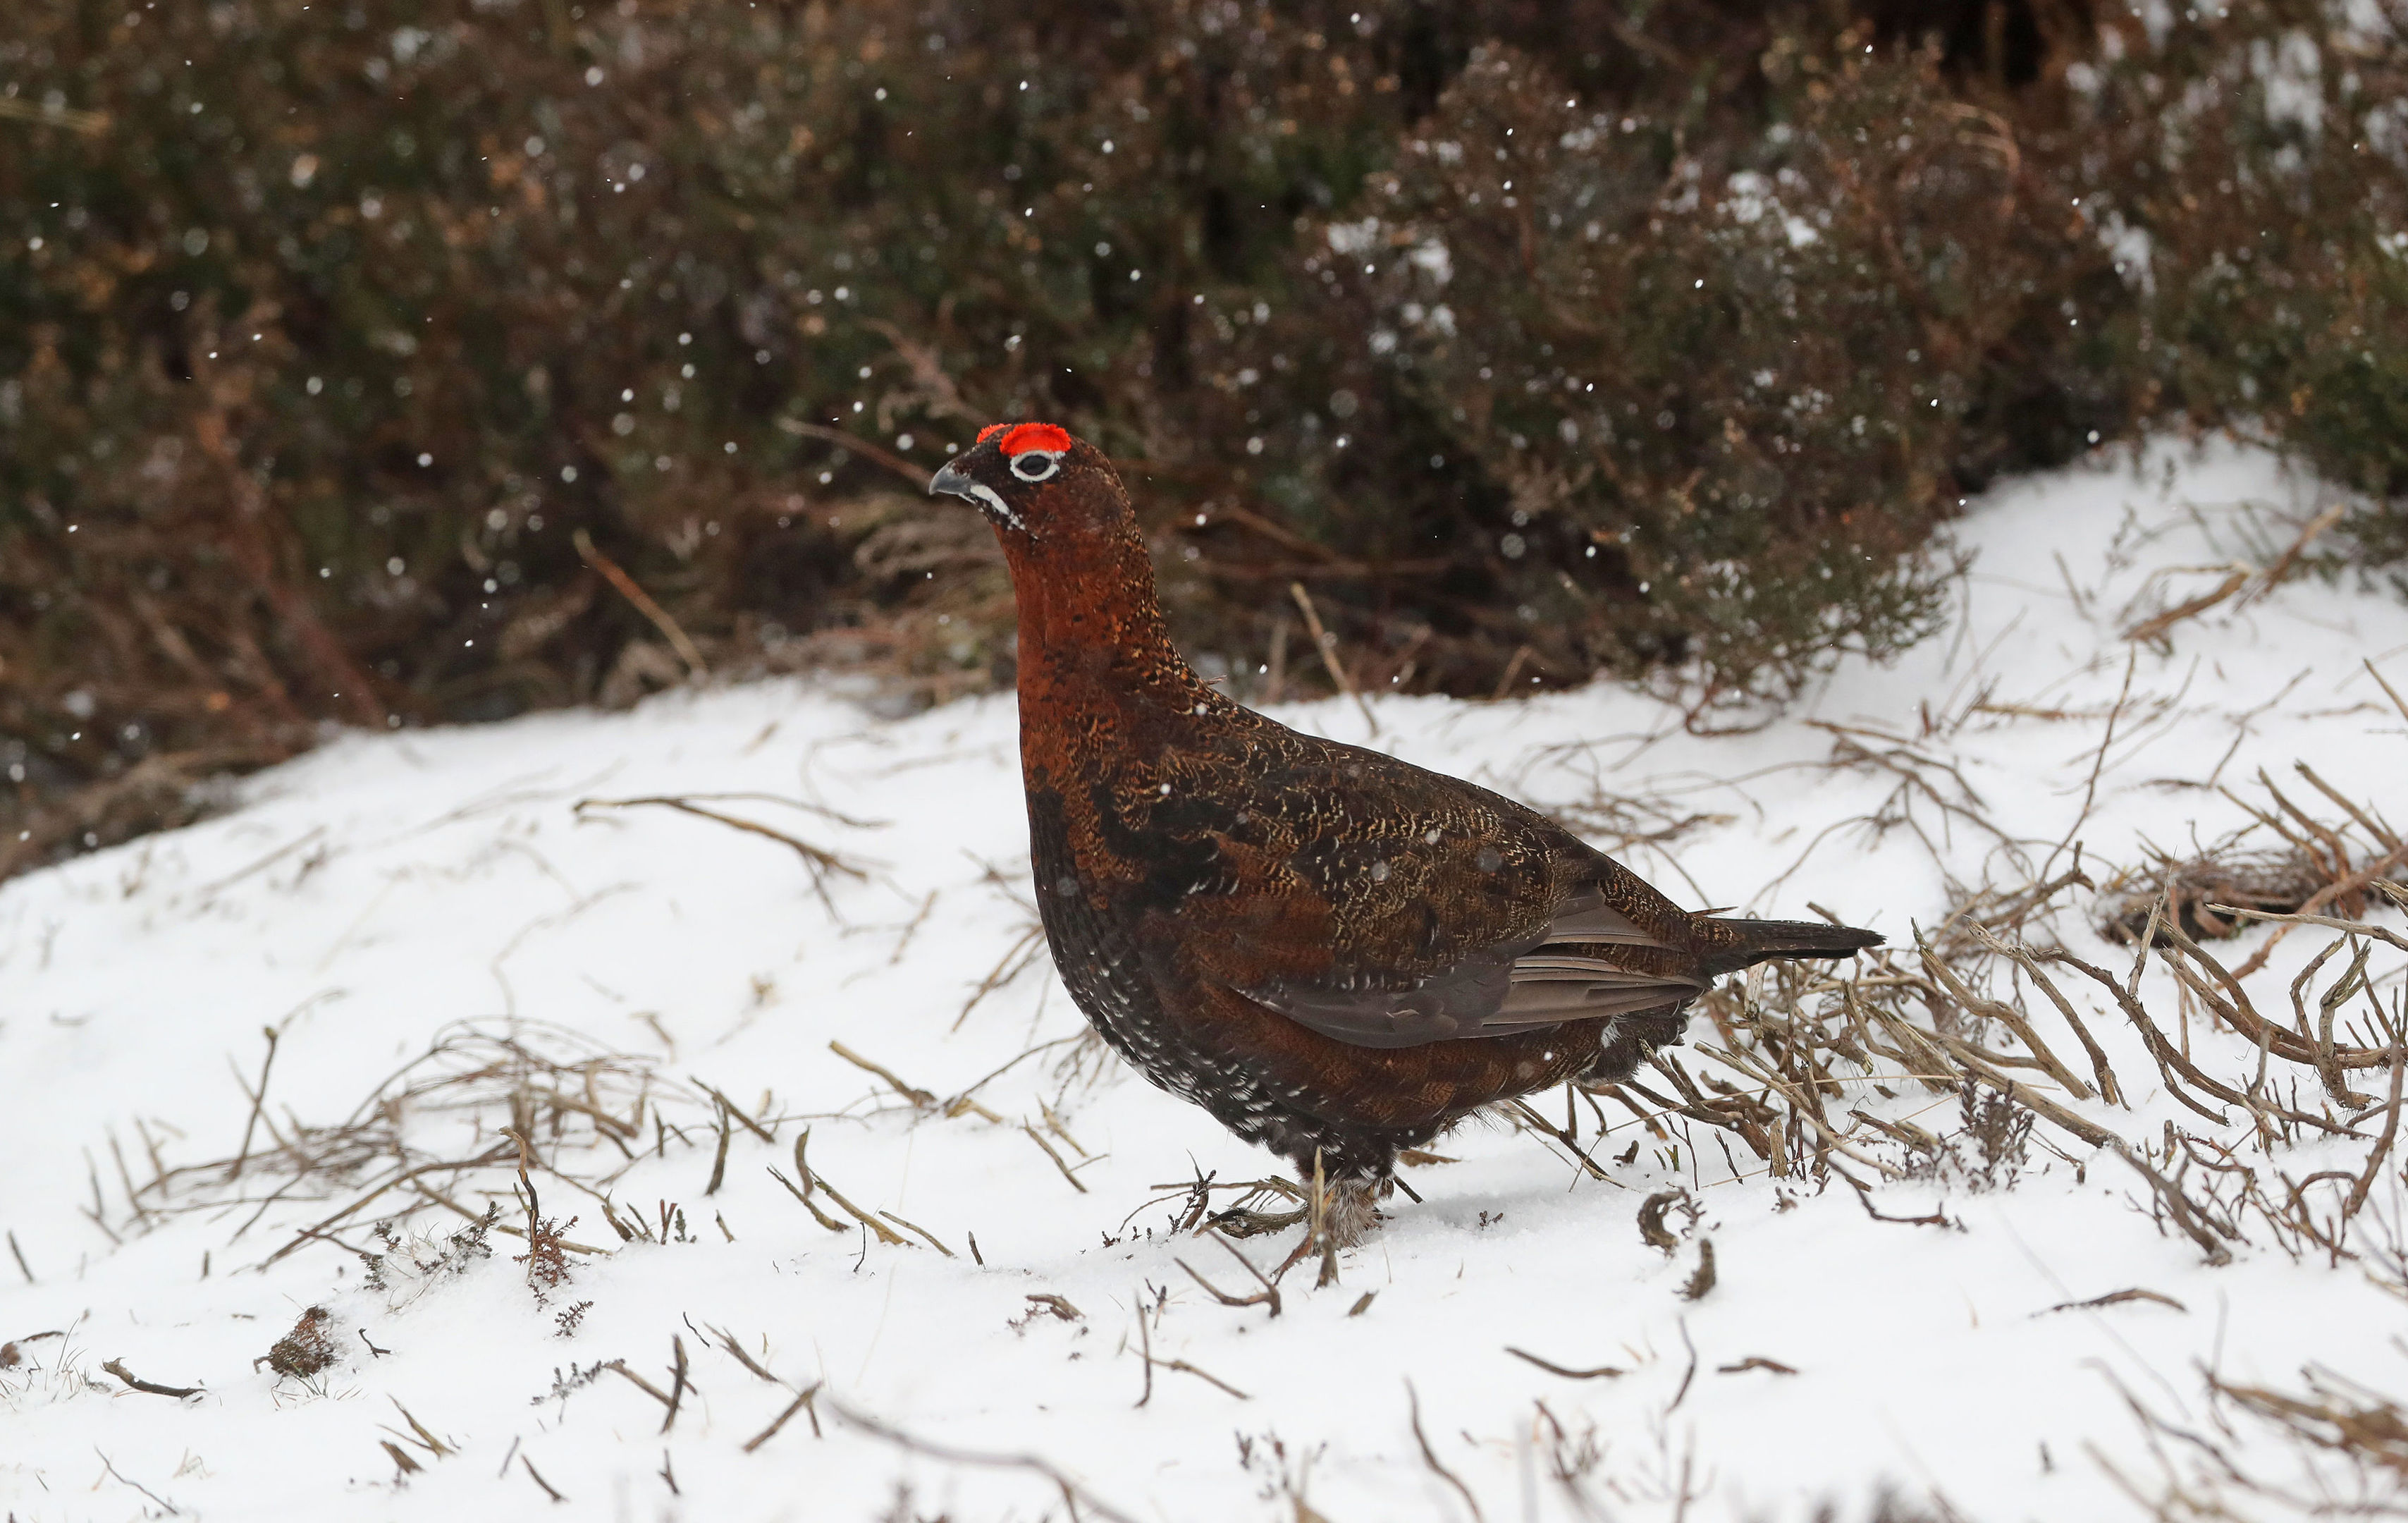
<point>1045,462</point>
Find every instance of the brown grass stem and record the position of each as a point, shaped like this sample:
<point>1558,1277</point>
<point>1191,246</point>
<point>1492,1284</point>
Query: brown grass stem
<point>801,1402</point>
<point>2375,1160</point>
<point>1603,1371</point>
<point>919,1098</point>
<point>874,453</point>
<point>1429,1456</point>
<point>643,601</point>
<point>117,1368</point>
<point>1038,1139</point>
<point>1074,1495</point>
<point>258,1103</point>
<point>817,861</point>
<point>1327,643</point>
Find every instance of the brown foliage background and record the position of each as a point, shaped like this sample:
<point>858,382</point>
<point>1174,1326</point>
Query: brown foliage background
<point>1536,339</point>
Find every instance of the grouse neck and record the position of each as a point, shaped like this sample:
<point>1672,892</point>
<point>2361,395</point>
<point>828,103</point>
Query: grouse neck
<point>1090,629</point>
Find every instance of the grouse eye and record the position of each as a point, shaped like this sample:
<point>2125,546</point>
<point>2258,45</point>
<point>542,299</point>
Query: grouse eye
<point>1035,464</point>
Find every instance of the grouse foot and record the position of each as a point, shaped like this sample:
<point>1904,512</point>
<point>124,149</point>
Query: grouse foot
<point>1348,1214</point>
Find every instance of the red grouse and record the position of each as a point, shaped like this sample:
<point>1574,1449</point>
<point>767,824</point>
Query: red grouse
<point>1337,954</point>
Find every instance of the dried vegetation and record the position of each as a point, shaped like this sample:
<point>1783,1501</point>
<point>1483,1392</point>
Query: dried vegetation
<point>1960,1062</point>
<point>1811,1076</point>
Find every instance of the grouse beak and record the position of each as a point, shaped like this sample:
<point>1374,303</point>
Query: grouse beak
<point>950,480</point>
<point>958,482</point>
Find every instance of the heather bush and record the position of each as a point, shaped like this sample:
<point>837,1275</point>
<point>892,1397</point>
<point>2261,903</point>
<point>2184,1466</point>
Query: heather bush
<point>2252,169</point>
<point>349,351</point>
<point>337,327</point>
<point>1729,380</point>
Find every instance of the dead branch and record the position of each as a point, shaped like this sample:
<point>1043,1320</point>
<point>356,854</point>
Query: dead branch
<point>920,1099</point>
<point>258,1101</point>
<point>750,1125</point>
<point>91,124</point>
<point>2355,928</point>
<point>1014,960</point>
<point>634,593</point>
<point>1603,1371</point>
<point>1535,1122</point>
<point>1048,1147</point>
<point>1327,643</point>
<point>922,1230</point>
<point>821,1216</point>
<point>2309,534</point>
<point>2353,883</point>
<point>1073,1494</point>
<point>800,1403</point>
<point>896,463</point>
<point>885,1234</point>
<point>1269,1295</point>
<point>1183,1367</point>
<point>2115,1297</point>
<point>817,860</point>
<point>2005,1016</point>
<point>2109,1089</point>
<point>117,1368</point>
<point>2381,1150</point>
<point>2149,629</point>
<point>1429,1456</point>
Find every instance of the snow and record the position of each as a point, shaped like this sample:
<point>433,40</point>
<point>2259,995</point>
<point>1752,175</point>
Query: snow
<point>386,891</point>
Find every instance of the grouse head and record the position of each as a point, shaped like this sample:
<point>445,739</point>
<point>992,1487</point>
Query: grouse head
<point>1040,488</point>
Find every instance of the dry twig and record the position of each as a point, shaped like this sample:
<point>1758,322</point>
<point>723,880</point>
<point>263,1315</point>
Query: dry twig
<point>117,1368</point>
<point>634,593</point>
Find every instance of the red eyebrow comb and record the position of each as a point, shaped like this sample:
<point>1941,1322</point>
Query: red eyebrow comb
<point>1035,435</point>
<point>990,431</point>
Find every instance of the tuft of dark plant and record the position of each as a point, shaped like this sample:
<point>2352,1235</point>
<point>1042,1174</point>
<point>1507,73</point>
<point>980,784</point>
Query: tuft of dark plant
<point>2336,868</point>
<point>547,1262</point>
<point>2000,1131</point>
<point>2135,905</point>
<point>564,1386</point>
<point>306,1351</point>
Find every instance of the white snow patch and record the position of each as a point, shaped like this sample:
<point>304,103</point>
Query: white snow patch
<point>369,898</point>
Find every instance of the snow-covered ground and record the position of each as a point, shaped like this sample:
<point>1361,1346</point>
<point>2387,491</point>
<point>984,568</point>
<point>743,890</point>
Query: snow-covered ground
<point>392,893</point>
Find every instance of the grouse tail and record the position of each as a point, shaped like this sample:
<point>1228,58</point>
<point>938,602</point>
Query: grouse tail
<point>1726,946</point>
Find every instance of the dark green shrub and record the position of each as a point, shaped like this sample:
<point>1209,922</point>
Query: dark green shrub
<point>340,343</point>
<point>1727,380</point>
<point>2256,165</point>
<point>337,325</point>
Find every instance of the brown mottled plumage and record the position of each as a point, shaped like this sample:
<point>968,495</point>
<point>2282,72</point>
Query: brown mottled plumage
<point>1337,954</point>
